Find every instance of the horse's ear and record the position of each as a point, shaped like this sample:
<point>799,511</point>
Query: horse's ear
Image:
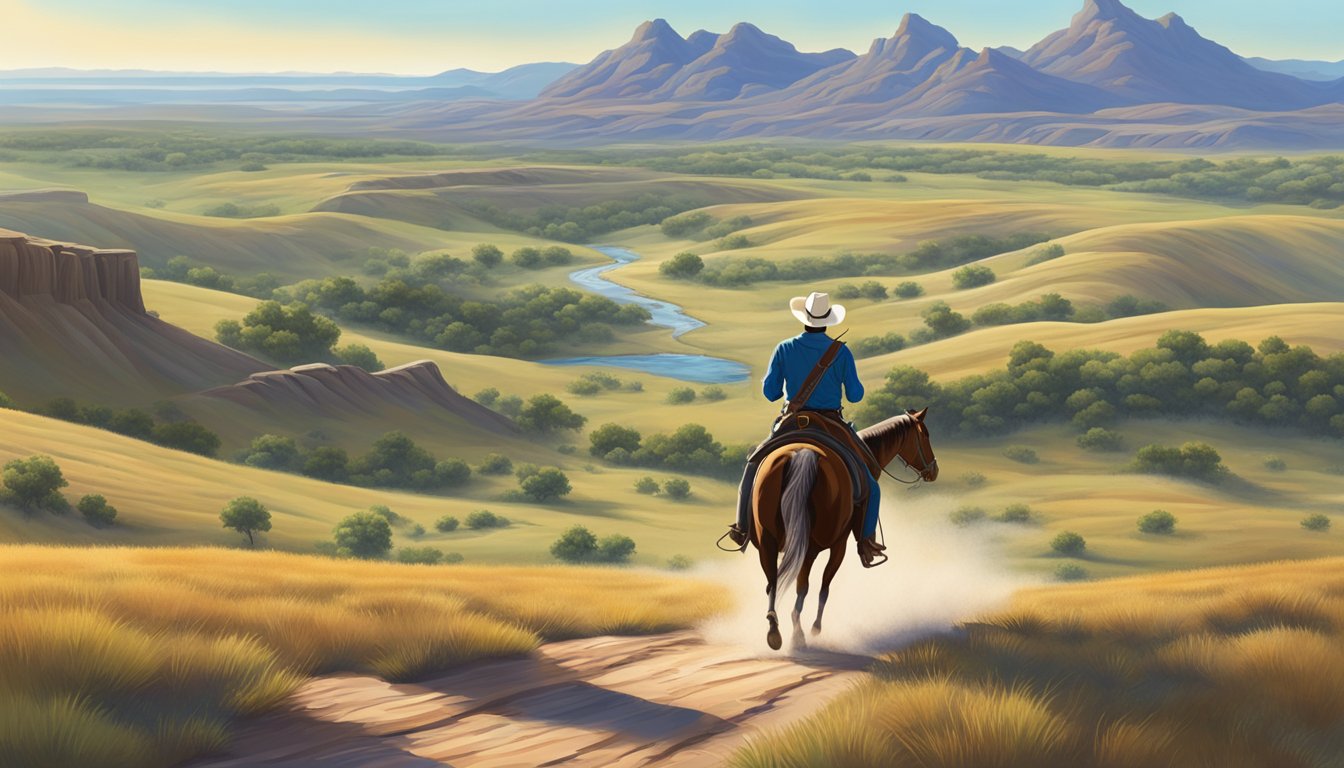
<point>919,415</point>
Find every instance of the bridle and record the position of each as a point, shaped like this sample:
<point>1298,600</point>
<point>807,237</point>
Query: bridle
<point>919,449</point>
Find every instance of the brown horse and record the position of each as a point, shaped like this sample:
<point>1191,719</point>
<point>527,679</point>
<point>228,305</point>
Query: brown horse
<point>803,504</point>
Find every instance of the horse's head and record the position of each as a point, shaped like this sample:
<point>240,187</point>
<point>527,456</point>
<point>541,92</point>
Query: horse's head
<point>906,437</point>
<point>916,450</point>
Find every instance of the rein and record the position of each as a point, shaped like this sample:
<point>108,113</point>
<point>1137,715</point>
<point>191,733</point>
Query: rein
<point>919,448</point>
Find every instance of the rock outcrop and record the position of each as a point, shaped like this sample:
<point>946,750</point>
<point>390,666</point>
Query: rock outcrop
<point>73,323</point>
<point>346,391</point>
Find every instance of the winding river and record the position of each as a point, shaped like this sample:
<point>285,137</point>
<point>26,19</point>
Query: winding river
<point>701,369</point>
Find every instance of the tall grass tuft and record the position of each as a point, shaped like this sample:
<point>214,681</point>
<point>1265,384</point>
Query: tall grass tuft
<point>146,657</point>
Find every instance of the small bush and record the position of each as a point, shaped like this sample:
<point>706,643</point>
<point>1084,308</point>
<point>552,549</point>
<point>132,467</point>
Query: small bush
<point>684,265</point>
<point>579,545</point>
<point>973,276</point>
<point>1275,464</point>
<point>713,394</point>
<point>97,511</point>
<point>1100,439</point>
<point>677,488</point>
<point>35,483</point>
<point>615,549</point>
<point>546,485</point>
<point>1068,543</point>
<point>366,535</point>
<point>964,516</point>
<point>974,479</point>
<point>1197,460</point>
<point>734,242</point>
<point>416,531</point>
<point>1022,454</point>
<point>681,396</point>
<point>358,355</point>
<point>1049,252</point>
<point>1070,572</point>
<point>1015,513</point>
<point>495,464</point>
<point>646,485</point>
<point>908,290</point>
<point>387,514</point>
<point>1316,522</point>
<point>679,563</point>
<point>1158,521</point>
<point>419,555</point>
<point>446,524</point>
<point>482,519</point>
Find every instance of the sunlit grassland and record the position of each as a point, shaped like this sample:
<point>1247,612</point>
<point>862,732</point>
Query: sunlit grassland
<point>115,657</point>
<point>167,497</point>
<point>1229,667</point>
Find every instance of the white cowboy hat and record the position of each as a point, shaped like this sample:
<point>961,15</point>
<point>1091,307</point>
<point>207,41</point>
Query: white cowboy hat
<point>817,310</point>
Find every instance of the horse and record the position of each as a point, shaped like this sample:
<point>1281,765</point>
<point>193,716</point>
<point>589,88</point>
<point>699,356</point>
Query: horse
<point>802,502</point>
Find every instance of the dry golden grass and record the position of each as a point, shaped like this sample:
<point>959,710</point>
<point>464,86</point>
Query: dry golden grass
<point>144,656</point>
<point>1222,667</point>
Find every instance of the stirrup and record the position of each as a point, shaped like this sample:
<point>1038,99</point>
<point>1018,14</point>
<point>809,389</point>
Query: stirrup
<point>874,562</point>
<point>734,548</point>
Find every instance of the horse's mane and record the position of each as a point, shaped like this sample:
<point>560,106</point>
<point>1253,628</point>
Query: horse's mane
<point>883,434</point>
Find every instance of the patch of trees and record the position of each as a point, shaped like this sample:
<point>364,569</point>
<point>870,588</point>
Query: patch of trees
<point>1197,460</point>
<point>528,257</point>
<point>1317,181</point>
<point>872,346</point>
<point>1051,306</point>
<point>579,545</point>
<point>180,269</point>
<point>541,484</point>
<point>1273,384</point>
<point>691,448</point>
<point>699,225</point>
<point>526,322</point>
<point>178,150</point>
<point>35,483</point>
<point>598,382</point>
<point>927,256</point>
<point>870,289</point>
<point>394,461</point>
<point>972,276</point>
<point>177,433</point>
<point>580,224</point>
<point>244,211</point>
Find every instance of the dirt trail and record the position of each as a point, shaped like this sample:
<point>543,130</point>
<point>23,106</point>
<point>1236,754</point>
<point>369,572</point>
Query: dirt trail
<point>670,700</point>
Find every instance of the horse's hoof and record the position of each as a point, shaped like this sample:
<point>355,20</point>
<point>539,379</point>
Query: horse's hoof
<point>773,639</point>
<point>816,630</point>
<point>800,640</point>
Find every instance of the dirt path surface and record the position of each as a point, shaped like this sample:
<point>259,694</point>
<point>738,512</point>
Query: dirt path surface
<point>670,700</point>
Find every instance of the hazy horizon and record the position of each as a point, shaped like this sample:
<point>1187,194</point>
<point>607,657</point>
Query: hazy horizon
<point>421,37</point>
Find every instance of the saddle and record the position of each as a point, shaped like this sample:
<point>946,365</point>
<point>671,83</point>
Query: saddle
<point>826,430</point>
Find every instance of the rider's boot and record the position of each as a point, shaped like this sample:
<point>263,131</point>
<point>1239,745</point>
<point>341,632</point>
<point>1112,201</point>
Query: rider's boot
<point>738,536</point>
<point>869,551</point>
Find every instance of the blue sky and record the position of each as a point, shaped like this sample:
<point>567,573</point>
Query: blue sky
<point>425,36</point>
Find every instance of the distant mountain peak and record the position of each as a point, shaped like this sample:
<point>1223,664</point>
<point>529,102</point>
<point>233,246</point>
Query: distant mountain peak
<point>916,27</point>
<point>657,29</point>
<point>1105,10</point>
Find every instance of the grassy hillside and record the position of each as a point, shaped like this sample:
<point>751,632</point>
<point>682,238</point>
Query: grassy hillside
<point>147,657</point>
<point>1232,667</point>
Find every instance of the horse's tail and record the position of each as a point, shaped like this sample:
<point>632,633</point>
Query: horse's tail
<point>794,506</point>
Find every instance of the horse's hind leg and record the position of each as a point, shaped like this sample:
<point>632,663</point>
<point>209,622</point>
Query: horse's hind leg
<point>769,552</point>
<point>833,561</point>
<point>799,640</point>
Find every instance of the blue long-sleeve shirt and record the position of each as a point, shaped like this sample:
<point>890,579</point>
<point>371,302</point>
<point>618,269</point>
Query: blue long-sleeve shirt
<point>795,358</point>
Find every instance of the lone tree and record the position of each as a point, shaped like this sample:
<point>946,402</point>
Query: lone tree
<point>546,484</point>
<point>1069,543</point>
<point>247,516</point>
<point>35,482</point>
<point>366,535</point>
<point>487,255</point>
<point>96,510</point>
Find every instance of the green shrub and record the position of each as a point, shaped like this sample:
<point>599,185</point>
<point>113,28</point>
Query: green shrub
<point>684,265</point>
<point>446,524</point>
<point>1275,464</point>
<point>6,401</point>
<point>908,290</point>
<point>615,549</point>
<point>1194,459</point>
<point>579,545</point>
<point>1068,543</point>
<point>734,242</point>
<point>681,396</point>
<point>676,488</point>
<point>247,516</point>
<point>646,485</point>
<point>327,463</point>
<point>385,512</point>
<point>96,510</point>
<point>612,437</point>
<point>546,414</point>
<point>679,563</point>
<point>1100,439</point>
<point>416,531</point>
<point>713,394</point>
<point>546,485</point>
<point>1049,252</point>
<point>1022,454</point>
<point>685,225</point>
<point>186,436</point>
<point>1015,513</point>
<point>942,322</point>
<point>483,519</point>
<point>974,479</point>
<point>1070,572</point>
<point>964,516</point>
<point>358,355</point>
<point>35,483</point>
<point>272,452</point>
<point>872,346</point>
<point>1316,522</point>
<point>1158,521</point>
<point>366,535</point>
<point>972,276</point>
<point>425,555</point>
<point>495,464</point>
<point>451,473</point>
<point>487,255</point>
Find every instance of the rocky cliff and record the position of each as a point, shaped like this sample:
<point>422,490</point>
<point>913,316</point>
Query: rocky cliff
<point>73,323</point>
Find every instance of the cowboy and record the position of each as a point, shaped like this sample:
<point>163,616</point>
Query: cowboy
<point>790,365</point>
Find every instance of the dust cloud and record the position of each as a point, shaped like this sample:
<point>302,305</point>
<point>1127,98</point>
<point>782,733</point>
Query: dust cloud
<point>938,575</point>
